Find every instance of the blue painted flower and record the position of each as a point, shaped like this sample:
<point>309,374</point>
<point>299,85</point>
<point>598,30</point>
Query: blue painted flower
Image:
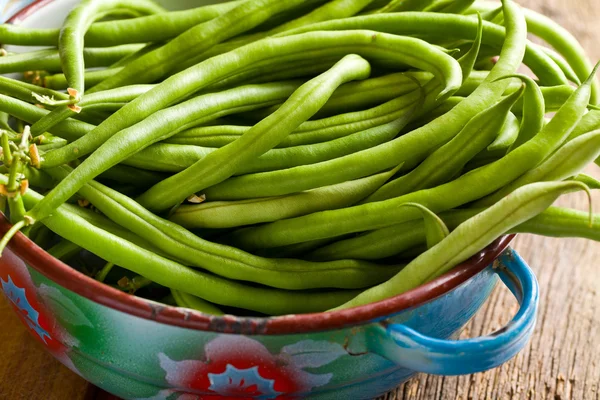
<point>18,297</point>
<point>242,381</point>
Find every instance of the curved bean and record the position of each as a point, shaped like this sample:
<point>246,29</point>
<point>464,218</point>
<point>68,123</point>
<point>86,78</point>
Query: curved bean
<point>508,134</point>
<point>450,6</point>
<point>449,159</point>
<point>120,95</point>
<point>410,148</point>
<point>468,238</point>
<point>445,27</point>
<point>49,60</point>
<point>334,9</point>
<point>533,109</point>
<point>71,37</point>
<point>249,212</point>
<point>216,68</point>
<point>393,240</point>
<point>355,96</point>
<point>165,93</point>
<point>185,300</point>
<point>176,276</point>
<point>156,64</point>
<point>226,161</point>
<point>567,161</point>
<point>465,189</point>
<point>226,261</point>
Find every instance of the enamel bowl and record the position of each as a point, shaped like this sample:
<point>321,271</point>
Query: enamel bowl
<point>139,349</point>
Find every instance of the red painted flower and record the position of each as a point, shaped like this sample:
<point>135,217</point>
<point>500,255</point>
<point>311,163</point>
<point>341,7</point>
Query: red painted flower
<point>242,368</point>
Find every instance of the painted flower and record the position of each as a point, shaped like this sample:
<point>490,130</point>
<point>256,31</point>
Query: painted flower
<point>21,292</point>
<point>242,368</point>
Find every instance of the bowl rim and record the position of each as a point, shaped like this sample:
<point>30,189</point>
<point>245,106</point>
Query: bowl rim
<point>74,281</point>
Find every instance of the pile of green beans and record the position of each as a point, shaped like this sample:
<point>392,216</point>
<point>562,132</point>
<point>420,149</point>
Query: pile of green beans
<point>281,157</point>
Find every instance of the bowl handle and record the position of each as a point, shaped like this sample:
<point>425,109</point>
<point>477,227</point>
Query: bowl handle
<point>422,353</point>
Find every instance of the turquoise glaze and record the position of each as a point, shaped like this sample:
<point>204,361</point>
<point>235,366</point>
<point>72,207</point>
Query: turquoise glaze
<point>136,356</point>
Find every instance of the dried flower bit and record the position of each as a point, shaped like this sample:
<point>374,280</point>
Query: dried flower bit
<point>83,203</point>
<point>74,108</point>
<point>195,199</point>
<point>35,156</point>
<point>24,186</point>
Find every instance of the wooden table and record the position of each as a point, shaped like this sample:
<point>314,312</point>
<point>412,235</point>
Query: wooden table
<point>562,361</point>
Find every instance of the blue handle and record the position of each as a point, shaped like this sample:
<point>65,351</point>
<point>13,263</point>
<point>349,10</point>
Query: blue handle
<point>448,357</point>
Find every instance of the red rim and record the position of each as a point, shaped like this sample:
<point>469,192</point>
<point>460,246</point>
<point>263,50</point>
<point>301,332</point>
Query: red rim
<point>97,292</point>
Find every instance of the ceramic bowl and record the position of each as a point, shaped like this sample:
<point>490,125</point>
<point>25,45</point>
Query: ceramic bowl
<point>139,349</point>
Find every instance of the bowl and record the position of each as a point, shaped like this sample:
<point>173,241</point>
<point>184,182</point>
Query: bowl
<point>139,349</point>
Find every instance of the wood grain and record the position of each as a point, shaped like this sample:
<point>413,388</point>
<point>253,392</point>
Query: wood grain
<point>562,361</point>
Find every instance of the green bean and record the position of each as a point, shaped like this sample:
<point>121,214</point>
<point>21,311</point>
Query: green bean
<point>69,129</point>
<point>587,180</point>
<point>554,96</point>
<point>120,95</point>
<point>64,250</point>
<point>410,148</point>
<point>566,68</point>
<point>334,9</point>
<point>405,5</point>
<point>374,245</point>
<point>29,93</point>
<point>72,33</point>
<point>533,109</point>
<point>209,136</point>
<point>249,212</point>
<point>446,161</point>
<point>4,125</point>
<point>444,26</point>
<point>393,240</point>
<point>105,224</point>
<point>176,158</point>
<point>450,6</point>
<point>465,189</point>
<point>49,60</point>
<point>216,68</point>
<point>176,276</point>
<point>223,260</point>
<point>468,238</point>
<point>469,60</point>
<point>311,154</point>
<point>165,157</point>
<point>156,64</point>
<point>195,303</point>
<point>566,45</point>
<point>226,161</point>
<point>135,176</point>
<point>114,33</point>
<point>567,161</point>
<point>435,229</point>
<point>508,134</point>
<point>91,78</point>
<point>355,96</point>
<point>143,103</point>
<point>589,122</point>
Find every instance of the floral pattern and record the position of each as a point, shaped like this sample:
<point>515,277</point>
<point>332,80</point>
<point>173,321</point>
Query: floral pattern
<point>241,367</point>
